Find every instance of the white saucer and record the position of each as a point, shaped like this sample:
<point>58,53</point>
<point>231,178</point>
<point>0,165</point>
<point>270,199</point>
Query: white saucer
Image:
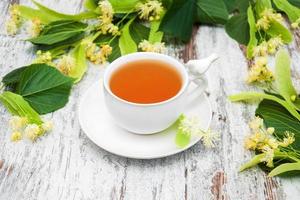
<point>98,125</point>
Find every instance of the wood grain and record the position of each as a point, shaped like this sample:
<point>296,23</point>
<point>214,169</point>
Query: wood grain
<point>67,165</point>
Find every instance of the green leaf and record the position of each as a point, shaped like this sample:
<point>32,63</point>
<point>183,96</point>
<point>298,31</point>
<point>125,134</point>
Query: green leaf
<point>261,5</point>
<point>155,35</point>
<point>287,167</point>
<point>16,105</point>
<point>277,116</point>
<point>182,139</point>
<point>295,3</point>
<point>105,39</point>
<point>139,32</point>
<point>11,79</point>
<point>253,40</point>
<point>178,20</point>
<point>80,16</point>
<point>59,31</point>
<point>124,6</point>
<point>90,4</point>
<point>238,28</point>
<point>81,65</point>
<point>30,13</point>
<point>126,43</point>
<point>277,29</point>
<point>283,76</point>
<point>258,96</point>
<point>237,5</point>
<point>253,162</point>
<point>44,87</point>
<point>211,12</point>
<point>292,12</point>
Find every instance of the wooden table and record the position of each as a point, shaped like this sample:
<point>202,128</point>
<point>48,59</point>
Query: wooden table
<point>67,165</point>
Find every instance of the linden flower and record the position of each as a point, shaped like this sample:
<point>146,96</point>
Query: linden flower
<point>256,123</point>
<point>33,131</point>
<point>157,47</point>
<point>296,24</point>
<point>106,18</point>
<point>151,10</point>
<point>35,27</point>
<point>16,136</point>
<point>98,55</point>
<point>209,138</point>
<point>288,139</point>
<point>261,50</point>
<point>14,22</point>
<point>189,125</point>
<point>267,16</point>
<point>259,73</point>
<point>66,64</point>
<point>47,126</point>
<point>269,156</point>
<point>43,57</point>
<point>17,123</point>
<point>273,44</point>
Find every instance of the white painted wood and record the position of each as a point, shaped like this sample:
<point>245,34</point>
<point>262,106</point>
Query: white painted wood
<point>66,165</point>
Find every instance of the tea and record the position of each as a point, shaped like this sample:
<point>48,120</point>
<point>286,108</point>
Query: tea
<point>145,81</point>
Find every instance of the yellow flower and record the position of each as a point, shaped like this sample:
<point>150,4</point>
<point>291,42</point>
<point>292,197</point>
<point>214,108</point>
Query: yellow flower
<point>263,23</point>
<point>190,125</point>
<point>259,73</point>
<point>261,50</point>
<point>47,126</point>
<point>273,44</point>
<point>14,22</point>
<point>150,10</point>
<point>16,136</point>
<point>43,57</point>
<point>256,123</point>
<point>98,56</point>
<point>209,138</point>
<point>157,47</point>
<point>269,156</point>
<point>288,139</point>
<point>295,24</point>
<point>35,27</point>
<point>270,130</point>
<point>250,144</point>
<point>17,123</point>
<point>33,131</point>
<point>66,64</point>
<point>273,143</point>
<point>106,18</point>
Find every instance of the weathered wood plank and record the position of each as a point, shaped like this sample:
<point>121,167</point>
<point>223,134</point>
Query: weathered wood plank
<point>67,165</point>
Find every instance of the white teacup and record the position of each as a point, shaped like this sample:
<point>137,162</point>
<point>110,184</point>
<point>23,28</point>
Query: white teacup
<point>154,117</point>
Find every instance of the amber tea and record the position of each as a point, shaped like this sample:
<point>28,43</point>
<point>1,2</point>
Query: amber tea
<point>146,81</point>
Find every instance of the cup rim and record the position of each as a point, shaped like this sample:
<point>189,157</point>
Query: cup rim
<point>153,56</point>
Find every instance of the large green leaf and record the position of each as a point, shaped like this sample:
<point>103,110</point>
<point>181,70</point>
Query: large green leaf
<point>124,6</point>
<point>126,43</point>
<point>253,40</point>
<point>50,12</point>
<point>139,32</point>
<point>283,76</point>
<point>16,105</point>
<point>237,5</point>
<point>277,29</point>
<point>81,65</point>
<point>30,13</point>
<point>44,87</point>
<point>261,5</point>
<point>244,96</point>
<point>178,20</point>
<point>277,116</point>
<point>59,31</point>
<point>212,12</point>
<point>238,29</point>
<point>292,12</point>
<point>11,79</point>
<point>286,167</point>
<point>295,3</point>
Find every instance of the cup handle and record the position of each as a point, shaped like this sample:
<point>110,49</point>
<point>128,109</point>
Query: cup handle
<point>197,69</point>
